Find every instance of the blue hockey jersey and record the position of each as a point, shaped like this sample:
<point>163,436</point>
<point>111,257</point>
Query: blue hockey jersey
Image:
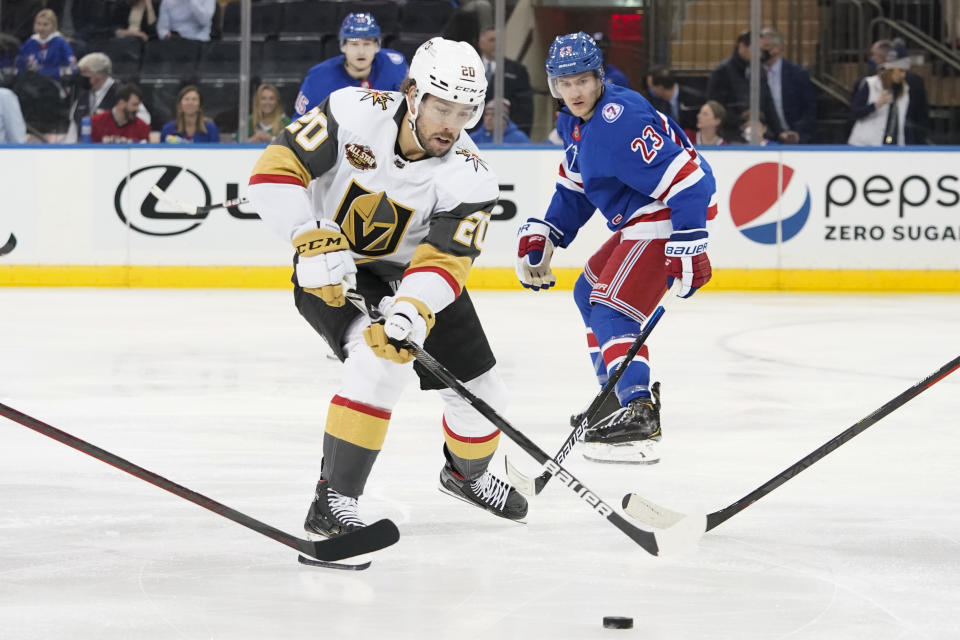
<point>387,72</point>
<point>633,164</point>
<point>52,57</point>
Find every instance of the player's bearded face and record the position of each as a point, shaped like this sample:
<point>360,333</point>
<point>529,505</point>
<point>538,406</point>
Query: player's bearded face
<point>439,124</point>
<point>580,92</point>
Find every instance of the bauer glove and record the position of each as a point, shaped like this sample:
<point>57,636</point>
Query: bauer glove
<point>324,264</point>
<point>535,242</point>
<point>687,260</point>
<point>403,319</point>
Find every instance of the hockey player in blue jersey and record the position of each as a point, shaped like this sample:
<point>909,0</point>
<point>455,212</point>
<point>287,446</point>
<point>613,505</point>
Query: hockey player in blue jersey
<point>636,166</point>
<point>362,63</point>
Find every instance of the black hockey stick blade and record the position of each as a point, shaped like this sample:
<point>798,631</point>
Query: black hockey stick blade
<point>9,245</point>
<point>532,487</point>
<point>654,515</point>
<point>333,565</point>
<point>366,540</point>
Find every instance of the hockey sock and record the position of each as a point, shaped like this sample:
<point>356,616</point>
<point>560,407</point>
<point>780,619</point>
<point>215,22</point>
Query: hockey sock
<point>615,333</point>
<point>354,436</point>
<point>581,295</point>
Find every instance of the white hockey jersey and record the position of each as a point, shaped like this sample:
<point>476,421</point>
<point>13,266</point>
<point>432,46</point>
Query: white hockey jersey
<point>400,216</point>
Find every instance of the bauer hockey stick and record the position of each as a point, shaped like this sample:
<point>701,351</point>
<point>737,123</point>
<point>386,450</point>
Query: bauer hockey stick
<point>533,487</point>
<point>655,543</point>
<point>193,210</point>
<point>378,535</point>
<point>660,517</point>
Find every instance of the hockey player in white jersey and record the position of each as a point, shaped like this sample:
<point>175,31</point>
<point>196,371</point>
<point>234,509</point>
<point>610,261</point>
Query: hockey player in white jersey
<point>637,167</point>
<point>384,192</point>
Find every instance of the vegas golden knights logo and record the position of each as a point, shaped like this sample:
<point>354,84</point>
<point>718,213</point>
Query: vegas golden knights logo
<point>372,222</point>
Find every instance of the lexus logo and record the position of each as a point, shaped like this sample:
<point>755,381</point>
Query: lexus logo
<point>137,207</point>
<point>9,245</point>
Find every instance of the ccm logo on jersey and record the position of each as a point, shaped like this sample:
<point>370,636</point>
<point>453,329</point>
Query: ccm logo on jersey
<point>612,111</point>
<point>680,250</point>
<point>360,156</point>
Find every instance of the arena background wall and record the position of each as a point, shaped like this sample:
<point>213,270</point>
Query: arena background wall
<point>790,218</point>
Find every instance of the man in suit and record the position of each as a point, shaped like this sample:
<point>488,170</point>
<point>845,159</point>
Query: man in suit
<point>668,96</point>
<point>516,80</point>
<point>729,84</point>
<point>794,99</point>
<point>97,91</point>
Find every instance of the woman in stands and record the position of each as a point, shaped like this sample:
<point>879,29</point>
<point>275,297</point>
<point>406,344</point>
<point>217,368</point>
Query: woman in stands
<point>709,120</point>
<point>267,118</point>
<point>46,52</point>
<point>190,124</point>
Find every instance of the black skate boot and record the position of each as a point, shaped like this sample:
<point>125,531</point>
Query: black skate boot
<point>630,435</point>
<point>331,513</point>
<point>487,492</point>
<point>608,407</point>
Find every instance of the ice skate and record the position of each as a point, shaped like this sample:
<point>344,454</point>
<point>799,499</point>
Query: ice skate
<point>331,513</point>
<point>487,492</point>
<point>630,435</point>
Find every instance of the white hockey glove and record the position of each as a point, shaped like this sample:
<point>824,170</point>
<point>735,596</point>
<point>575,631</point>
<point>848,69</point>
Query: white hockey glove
<point>535,244</point>
<point>405,319</point>
<point>324,264</point>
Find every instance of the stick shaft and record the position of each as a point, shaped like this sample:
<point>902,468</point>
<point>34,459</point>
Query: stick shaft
<point>718,517</point>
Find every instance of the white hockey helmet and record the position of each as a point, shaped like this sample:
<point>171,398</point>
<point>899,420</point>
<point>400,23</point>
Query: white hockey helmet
<point>452,71</point>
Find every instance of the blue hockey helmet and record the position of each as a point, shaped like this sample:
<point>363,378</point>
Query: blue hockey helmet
<point>572,54</point>
<point>359,25</point>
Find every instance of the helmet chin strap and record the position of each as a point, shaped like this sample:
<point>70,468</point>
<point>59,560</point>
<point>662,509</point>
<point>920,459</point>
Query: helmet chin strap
<point>412,121</point>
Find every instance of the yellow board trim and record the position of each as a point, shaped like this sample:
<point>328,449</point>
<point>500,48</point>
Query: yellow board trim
<point>491,278</point>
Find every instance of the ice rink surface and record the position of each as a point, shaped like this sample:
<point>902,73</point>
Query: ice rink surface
<point>226,392</point>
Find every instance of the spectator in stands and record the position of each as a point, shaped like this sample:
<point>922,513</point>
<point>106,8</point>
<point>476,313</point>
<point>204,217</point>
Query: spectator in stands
<point>46,52</point>
<point>917,125</point>
<point>881,104</point>
<point>610,73</point>
<point>97,91</point>
<point>188,19</point>
<point>516,80</point>
<point>746,133</point>
<point>794,98</point>
<point>511,134</point>
<point>553,137</point>
<point>709,122</point>
<point>730,86</point>
<point>267,118</point>
<point>121,123</point>
<point>667,95</point>
<point>362,63</point>
<point>190,124</point>
<point>482,9</point>
<point>13,130</point>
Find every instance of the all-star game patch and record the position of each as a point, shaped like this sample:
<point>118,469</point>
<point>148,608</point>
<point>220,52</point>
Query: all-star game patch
<point>470,156</point>
<point>360,156</point>
<point>382,98</point>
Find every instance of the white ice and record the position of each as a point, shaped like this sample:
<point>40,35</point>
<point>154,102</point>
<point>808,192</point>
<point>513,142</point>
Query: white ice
<point>225,392</point>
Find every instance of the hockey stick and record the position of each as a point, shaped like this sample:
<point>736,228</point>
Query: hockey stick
<point>161,195</point>
<point>9,246</point>
<point>655,543</point>
<point>378,535</point>
<point>533,487</point>
<point>657,516</point>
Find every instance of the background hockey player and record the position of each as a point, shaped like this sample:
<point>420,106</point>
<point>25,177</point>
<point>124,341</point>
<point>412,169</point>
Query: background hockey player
<point>635,165</point>
<point>384,191</point>
<point>362,63</point>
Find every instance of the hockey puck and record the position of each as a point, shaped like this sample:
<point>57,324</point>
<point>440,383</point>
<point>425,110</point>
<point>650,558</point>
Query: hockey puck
<point>617,622</point>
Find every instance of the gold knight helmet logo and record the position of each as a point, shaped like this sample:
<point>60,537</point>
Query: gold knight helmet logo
<point>372,222</point>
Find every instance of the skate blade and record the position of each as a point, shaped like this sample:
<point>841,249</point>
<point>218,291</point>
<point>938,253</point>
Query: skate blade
<point>644,453</point>
<point>310,562</point>
<point>443,489</point>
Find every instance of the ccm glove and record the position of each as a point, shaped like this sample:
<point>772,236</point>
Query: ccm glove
<point>687,260</point>
<point>324,263</point>
<point>404,319</point>
<point>536,240</point>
